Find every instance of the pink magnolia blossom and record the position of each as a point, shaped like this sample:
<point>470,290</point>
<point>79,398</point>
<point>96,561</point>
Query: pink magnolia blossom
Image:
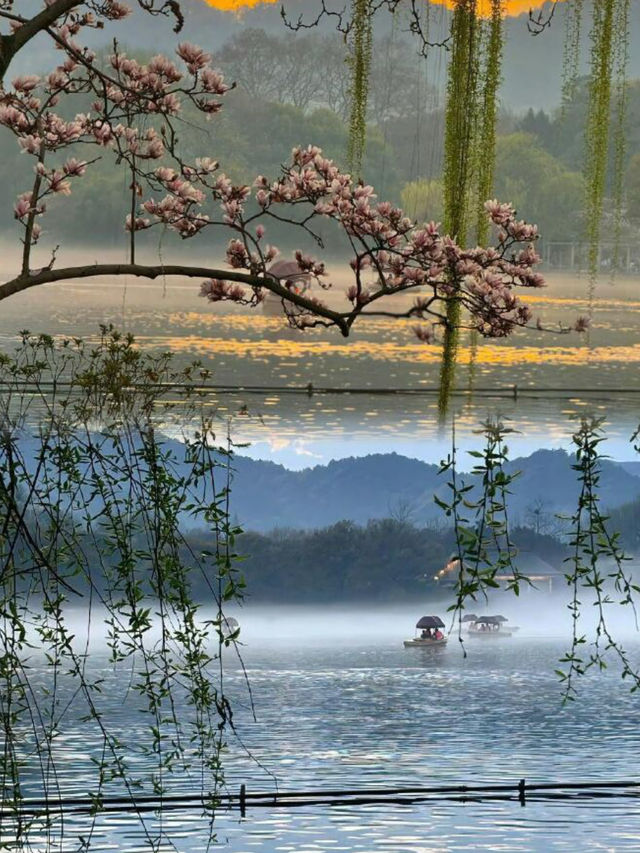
<point>74,167</point>
<point>194,57</point>
<point>139,223</point>
<point>217,291</point>
<point>25,83</point>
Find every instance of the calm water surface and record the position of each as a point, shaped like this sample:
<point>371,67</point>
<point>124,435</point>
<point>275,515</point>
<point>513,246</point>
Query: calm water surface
<point>241,347</point>
<point>354,711</point>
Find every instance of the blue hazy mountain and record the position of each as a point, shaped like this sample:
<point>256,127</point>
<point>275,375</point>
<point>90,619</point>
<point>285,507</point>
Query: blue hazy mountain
<point>266,495</point>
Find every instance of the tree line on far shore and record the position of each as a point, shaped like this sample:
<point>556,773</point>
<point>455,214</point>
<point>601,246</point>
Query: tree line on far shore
<point>293,102</point>
<point>386,560</point>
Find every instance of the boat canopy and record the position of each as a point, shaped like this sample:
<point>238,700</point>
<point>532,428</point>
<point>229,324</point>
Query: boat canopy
<point>430,622</point>
<point>469,617</point>
<point>488,620</point>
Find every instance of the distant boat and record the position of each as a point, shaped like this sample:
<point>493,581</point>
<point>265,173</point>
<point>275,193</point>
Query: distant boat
<point>489,626</point>
<point>290,276</point>
<point>428,634</point>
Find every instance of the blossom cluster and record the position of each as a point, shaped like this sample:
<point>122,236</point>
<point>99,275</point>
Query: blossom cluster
<point>393,254</point>
<point>133,112</point>
<point>126,93</point>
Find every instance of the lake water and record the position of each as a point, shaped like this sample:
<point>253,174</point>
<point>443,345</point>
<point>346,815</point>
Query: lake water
<point>340,704</point>
<point>557,376</point>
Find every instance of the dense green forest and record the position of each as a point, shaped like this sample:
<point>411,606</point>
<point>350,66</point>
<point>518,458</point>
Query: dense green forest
<point>382,561</point>
<point>294,92</point>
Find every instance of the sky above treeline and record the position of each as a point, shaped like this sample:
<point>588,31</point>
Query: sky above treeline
<point>532,64</point>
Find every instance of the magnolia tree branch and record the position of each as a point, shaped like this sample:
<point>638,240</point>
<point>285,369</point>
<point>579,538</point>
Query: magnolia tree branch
<point>135,114</point>
<point>47,275</point>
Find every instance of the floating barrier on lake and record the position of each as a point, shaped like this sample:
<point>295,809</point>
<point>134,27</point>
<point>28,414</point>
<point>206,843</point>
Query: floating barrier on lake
<point>517,791</point>
<point>510,391</point>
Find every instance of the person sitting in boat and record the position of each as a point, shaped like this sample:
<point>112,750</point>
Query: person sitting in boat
<point>426,634</point>
<point>438,635</point>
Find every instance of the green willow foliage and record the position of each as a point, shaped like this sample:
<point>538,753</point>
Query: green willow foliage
<point>607,86</point>
<point>460,124</point>
<point>595,569</point>
<point>93,501</point>
<point>360,64</point>
<point>571,56</point>
<point>479,512</point>
<point>595,573</point>
<point>620,99</point>
<point>597,129</point>
<point>469,147</point>
<point>485,154</point>
<point>485,142</point>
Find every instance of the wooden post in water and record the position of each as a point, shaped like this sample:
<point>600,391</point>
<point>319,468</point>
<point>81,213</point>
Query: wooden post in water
<point>521,793</point>
<point>243,800</point>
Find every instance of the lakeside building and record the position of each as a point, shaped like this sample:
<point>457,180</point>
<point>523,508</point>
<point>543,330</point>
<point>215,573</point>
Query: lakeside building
<point>542,575</point>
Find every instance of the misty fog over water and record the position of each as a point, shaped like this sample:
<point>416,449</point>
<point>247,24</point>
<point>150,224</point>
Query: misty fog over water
<point>339,703</point>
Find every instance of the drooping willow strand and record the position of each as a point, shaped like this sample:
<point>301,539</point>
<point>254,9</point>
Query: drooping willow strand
<point>460,121</point>
<point>460,117</point>
<point>597,128</point>
<point>485,142</point>
<point>360,64</point>
<point>94,503</point>
<point>571,56</point>
<point>492,40</point>
<point>470,128</point>
<point>619,129</point>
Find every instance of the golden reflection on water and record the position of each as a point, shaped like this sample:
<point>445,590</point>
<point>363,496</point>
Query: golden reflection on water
<point>490,354</point>
<point>250,348</point>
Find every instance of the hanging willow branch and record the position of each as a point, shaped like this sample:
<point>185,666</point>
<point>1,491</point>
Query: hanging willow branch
<point>460,124</point>
<point>360,64</point>
<point>571,56</point>
<point>620,99</point>
<point>595,571</point>
<point>597,130</point>
<point>470,138</point>
<point>492,40</point>
<point>485,144</point>
<point>460,117</point>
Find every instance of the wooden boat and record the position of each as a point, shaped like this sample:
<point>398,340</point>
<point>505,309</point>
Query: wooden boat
<point>486,627</point>
<point>419,642</point>
<point>425,637</point>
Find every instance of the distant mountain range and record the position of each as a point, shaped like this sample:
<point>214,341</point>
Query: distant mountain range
<point>631,468</point>
<point>266,495</point>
